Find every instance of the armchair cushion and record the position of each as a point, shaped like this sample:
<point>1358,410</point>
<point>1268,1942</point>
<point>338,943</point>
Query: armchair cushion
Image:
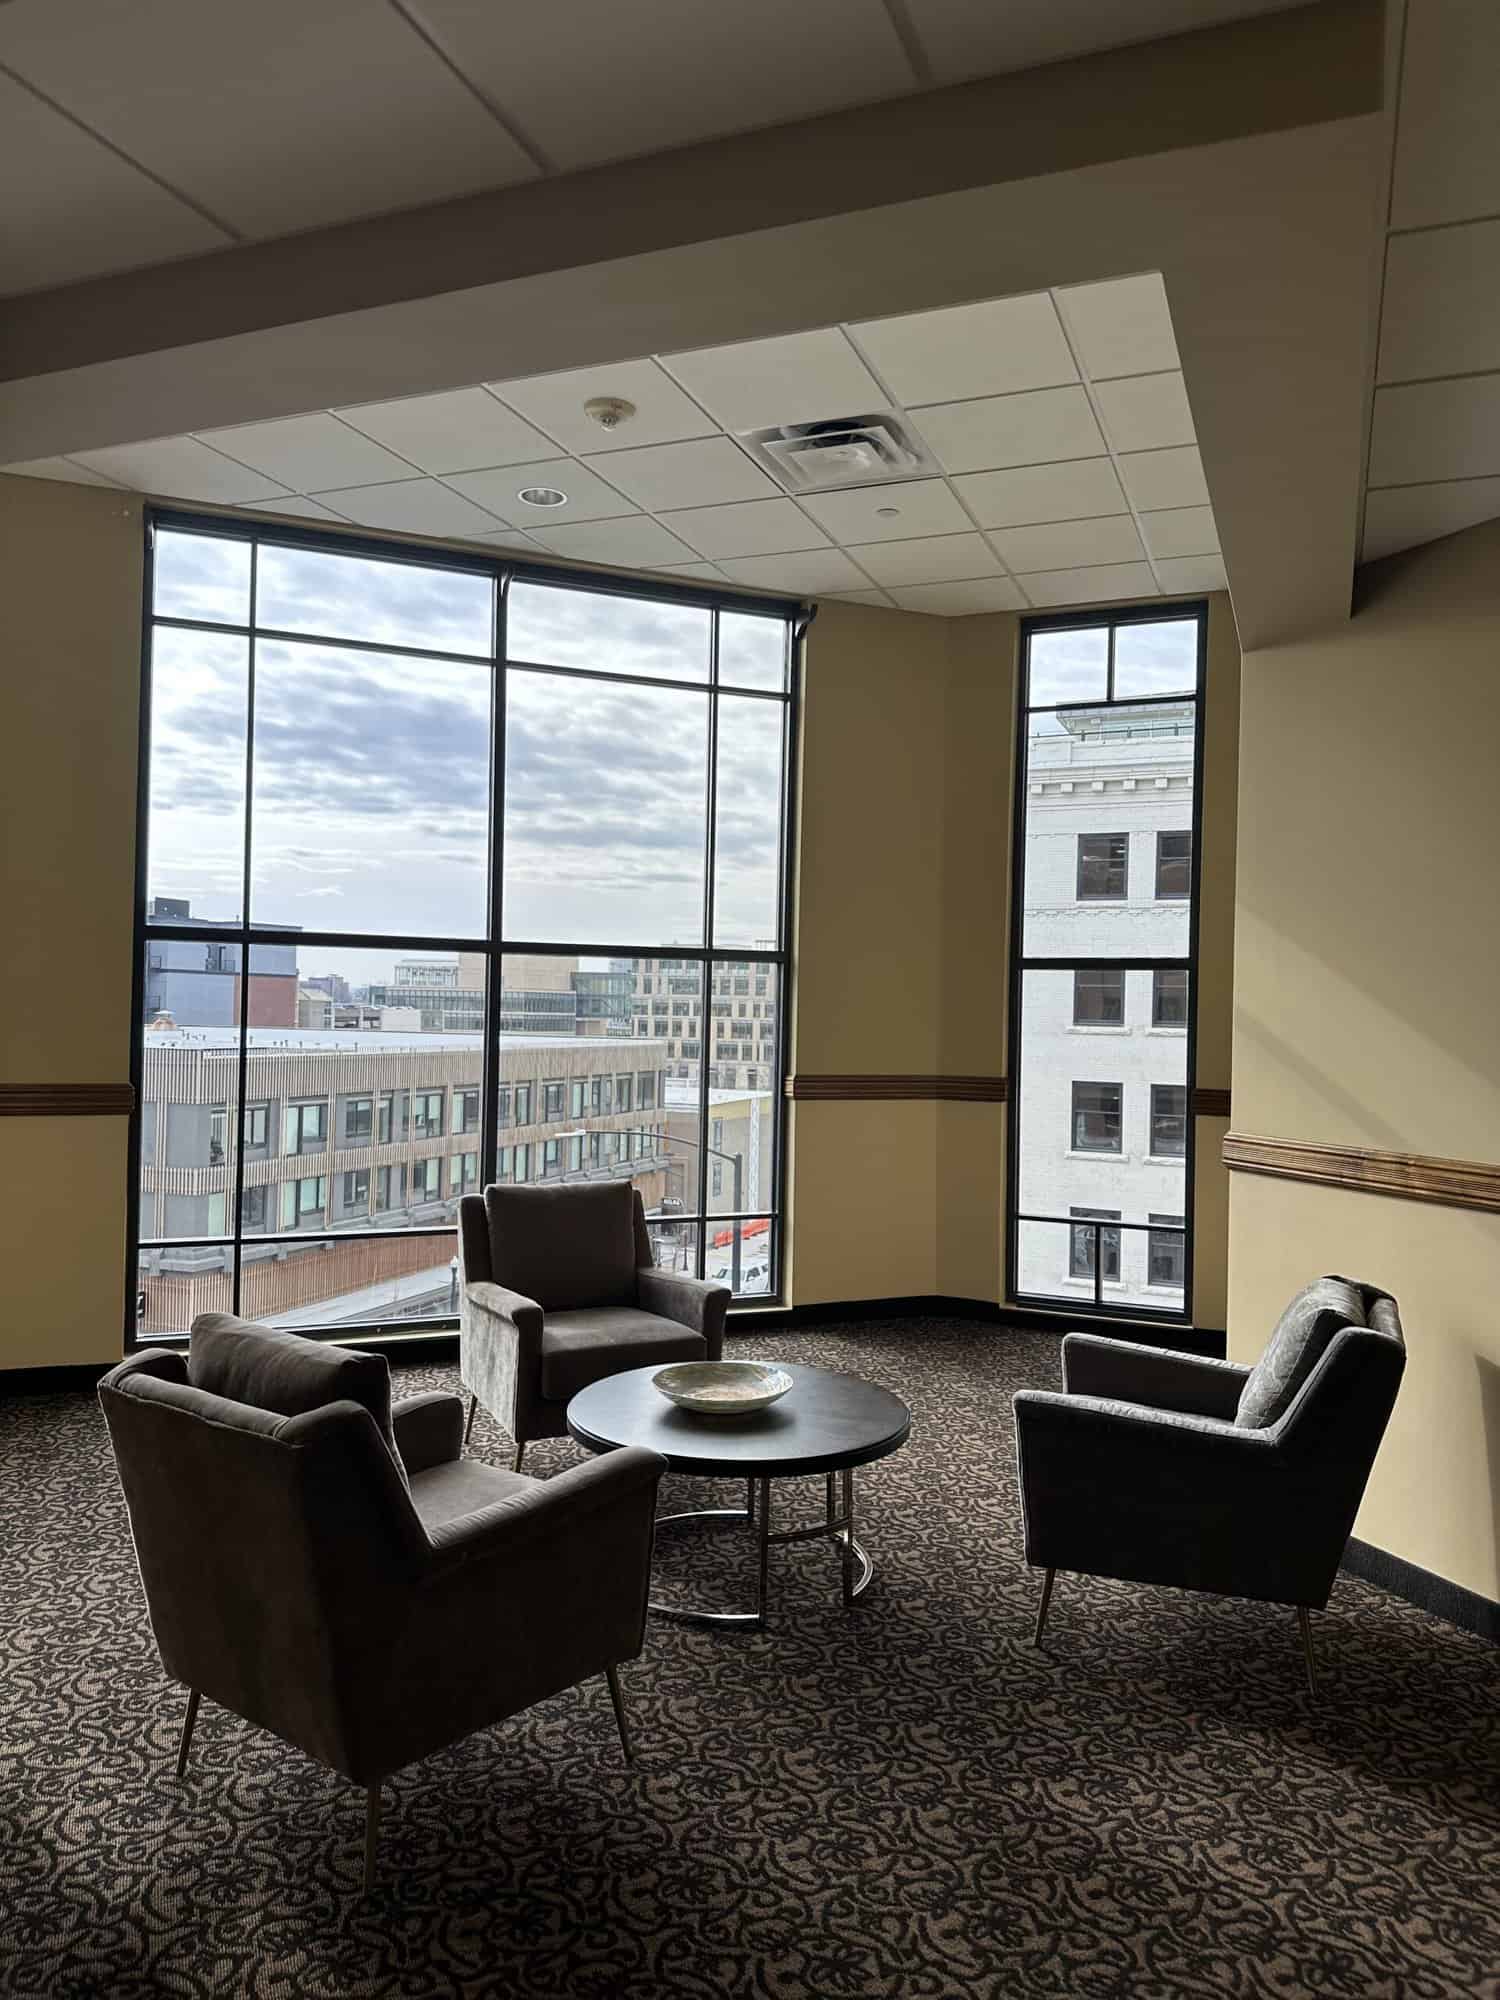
<point>1301,1339</point>
<point>583,1347</point>
<point>461,1487</point>
<point>569,1248</point>
<point>283,1373</point>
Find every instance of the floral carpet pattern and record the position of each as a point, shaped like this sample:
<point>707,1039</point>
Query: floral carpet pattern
<point>905,1800</point>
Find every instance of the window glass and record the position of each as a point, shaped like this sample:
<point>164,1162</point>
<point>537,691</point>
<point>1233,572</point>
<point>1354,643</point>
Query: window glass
<point>747,847</point>
<point>555,627</point>
<point>382,603</point>
<point>1098,998</point>
<point>1103,865</point>
<point>1156,658</point>
<point>1174,864</point>
<point>752,651</point>
<point>195,824</point>
<point>1069,666</point>
<point>201,576</point>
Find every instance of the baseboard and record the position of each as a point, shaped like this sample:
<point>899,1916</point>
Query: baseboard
<point>1206,1341</point>
<point>1435,1594</point>
<point>52,1381</point>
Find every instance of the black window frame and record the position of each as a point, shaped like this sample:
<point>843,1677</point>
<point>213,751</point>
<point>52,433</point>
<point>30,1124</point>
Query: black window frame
<point>774,965</point>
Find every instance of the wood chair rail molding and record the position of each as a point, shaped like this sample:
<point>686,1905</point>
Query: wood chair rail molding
<point>66,1100</point>
<point>1366,1170</point>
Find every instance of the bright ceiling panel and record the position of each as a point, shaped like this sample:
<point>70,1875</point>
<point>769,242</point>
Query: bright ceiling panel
<point>1030,428</point>
<point>663,414</point>
<point>1120,327</point>
<point>463,430</point>
<point>795,379</point>
<point>979,350</point>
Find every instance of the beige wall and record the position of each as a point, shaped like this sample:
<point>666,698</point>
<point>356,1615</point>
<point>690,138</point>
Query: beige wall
<point>1368,960</point>
<point>70,610</point>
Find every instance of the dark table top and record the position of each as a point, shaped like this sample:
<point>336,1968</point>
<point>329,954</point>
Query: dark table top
<point>824,1423</point>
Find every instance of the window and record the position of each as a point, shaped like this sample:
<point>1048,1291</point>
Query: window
<point>1096,1117</point>
<point>355,1192</point>
<point>390,1189</point>
<point>465,1111</point>
<point>523,1104</point>
<point>505,1162</point>
<point>257,1128</point>
<point>576,1098</point>
<point>427,1114</point>
<point>306,1128</point>
<point>623,1086</point>
<point>552,1102</point>
<point>463,1172</point>
<point>575,1153</point>
<point>1098,998</point>
<point>427,1180</point>
<point>359,1117</point>
<point>1103,860</point>
<point>502,1098</point>
<point>255,1209</point>
<point>551,1157</point>
<point>392,1125</point>
<point>1168,1120</point>
<point>1082,1242</point>
<point>1166,1252</point>
<point>304,1202</point>
<point>1169,998</point>
<point>523,1163</point>
<point>1174,866</point>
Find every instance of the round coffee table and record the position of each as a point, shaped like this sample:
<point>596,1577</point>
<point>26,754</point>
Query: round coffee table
<point>825,1423</point>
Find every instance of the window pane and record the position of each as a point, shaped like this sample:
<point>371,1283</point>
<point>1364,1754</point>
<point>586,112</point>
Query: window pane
<point>1166,1257</point>
<point>1168,1120</point>
<point>201,576</point>
<point>1169,998</point>
<point>675,1245</point>
<point>1156,658</point>
<point>747,838</point>
<point>1044,1252</point>
<point>1098,999</point>
<point>752,651</point>
<point>1103,860</point>
<point>604,811</point>
<point>349,1281</point>
<point>191,998</point>
<point>1174,865</point>
<point>1092,1244</point>
<point>195,825</point>
<point>1068,666</point>
<point>739,1255</point>
<point>742,1094</point>
<point>174,1286</point>
<point>386,603</point>
<point>371,808</point>
<point>553,627</point>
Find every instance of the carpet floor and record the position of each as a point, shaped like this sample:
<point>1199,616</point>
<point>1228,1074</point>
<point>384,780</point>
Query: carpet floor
<point>907,1800</point>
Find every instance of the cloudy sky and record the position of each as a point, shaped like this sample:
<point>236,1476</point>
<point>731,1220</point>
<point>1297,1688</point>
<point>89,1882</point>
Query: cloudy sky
<point>372,769</point>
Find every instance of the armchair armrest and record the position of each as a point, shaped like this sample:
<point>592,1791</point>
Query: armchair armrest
<point>699,1303</point>
<point>562,1511</point>
<point>501,1303</point>
<point>1122,1371</point>
<point>429,1429</point>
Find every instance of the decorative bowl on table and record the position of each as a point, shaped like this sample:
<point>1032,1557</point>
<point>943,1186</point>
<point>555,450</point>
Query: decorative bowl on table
<point>722,1388</point>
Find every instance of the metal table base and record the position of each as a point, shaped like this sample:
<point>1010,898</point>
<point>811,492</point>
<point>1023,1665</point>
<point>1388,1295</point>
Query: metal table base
<point>837,1526</point>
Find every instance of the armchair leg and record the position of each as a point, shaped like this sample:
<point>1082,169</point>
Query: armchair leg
<point>185,1742</point>
<point>1304,1621</point>
<point>612,1675</point>
<point>469,1426</point>
<point>372,1833</point>
<point>520,1454</point>
<point>1041,1610</point>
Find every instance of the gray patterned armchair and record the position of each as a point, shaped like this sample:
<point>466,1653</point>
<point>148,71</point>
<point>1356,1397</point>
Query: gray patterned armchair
<point>560,1289</point>
<point>1156,1467</point>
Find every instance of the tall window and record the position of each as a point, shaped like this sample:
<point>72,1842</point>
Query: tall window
<point>1104,937</point>
<point>421,833</point>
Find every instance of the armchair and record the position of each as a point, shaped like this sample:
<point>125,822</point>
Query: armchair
<point>1157,1467</point>
<point>560,1288</point>
<point>329,1566</point>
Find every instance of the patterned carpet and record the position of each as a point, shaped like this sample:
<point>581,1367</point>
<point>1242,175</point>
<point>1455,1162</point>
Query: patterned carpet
<point>902,1801</point>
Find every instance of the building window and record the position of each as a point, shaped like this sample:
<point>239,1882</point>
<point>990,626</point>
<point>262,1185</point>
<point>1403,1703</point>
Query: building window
<point>465,1111</point>
<point>427,1114</point>
<point>1097,1117</point>
<point>576,1097</point>
<point>523,1105</point>
<point>552,1102</point>
<point>1174,866</point>
<point>304,1202</point>
<point>622,1093</point>
<point>359,1117</point>
<point>306,1128</point>
<point>551,1157</point>
<point>1081,1242</point>
<point>523,1163</point>
<point>575,1153</point>
<point>427,1180</point>
<point>390,1189</point>
<point>391,1124</point>
<point>1098,998</point>
<point>463,1171</point>
<point>1103,864</point>
<point>502,1098</point>
<point>257,1128</point>
<point>1166,1252</point>
<point>1169,997</point>
<point>254,1208</point>
<point>355,1192</point>
<point>1168,1120</point>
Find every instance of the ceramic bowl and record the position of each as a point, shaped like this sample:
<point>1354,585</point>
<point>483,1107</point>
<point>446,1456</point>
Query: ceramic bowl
<point>722,1388</point>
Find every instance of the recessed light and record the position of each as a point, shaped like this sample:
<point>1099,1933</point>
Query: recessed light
<point>542,496</point>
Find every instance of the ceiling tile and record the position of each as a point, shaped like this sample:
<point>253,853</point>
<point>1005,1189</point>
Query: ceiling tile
<point>1435,430</point>
<point>663,414</point>
<point>1440,311</point>
<point>1181,531</point>
<point>1165,478</point>
<point>1185,573</point>
<point>1448,142</point>
<point>1144,412</point>
<point>693,572</point>
<point>299,509</point>
<point>1402,516</point>
<point>938,559</point>
<point>793,379</point>
<point>1079,490</point>
<point>1069,544</point>
<point>1031,428</point>
<point>978,350</point>
<point>747,528</point>
<point>461,430</point>
<point>699,474</point>
<point>875,600</point>
<point>593,80</point>
<point>275,117</point>
<point>1122,327</point>
<point>1091,586</point>
<point>892,513</point>
<point>514,539</point>
<point>70,208</point>
<point>965,38</point>
<point>812,572</point>
<point>179,469</point>
<point>590,498</point>
<point>961,600</point>
<point>636,542</point>
<point>412,507</point>
<point>308,453</point>
<point>57,468</point>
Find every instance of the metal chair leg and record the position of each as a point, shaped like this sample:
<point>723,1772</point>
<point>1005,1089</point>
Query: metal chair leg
<point>187,1732</point>
<point>372,1833</point>
<point>1041,1610</point>
<point>1304,1621</point>
<point>520,1454</point>
<point>469,1426</point>
<point>612,1675</point>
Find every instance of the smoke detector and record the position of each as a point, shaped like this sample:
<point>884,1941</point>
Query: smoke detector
<point>840,451</point>
<point>609,412</point>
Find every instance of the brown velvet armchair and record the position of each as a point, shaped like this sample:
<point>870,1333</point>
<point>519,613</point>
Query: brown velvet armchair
<point>330,1567</point>
<point>560,1289</point>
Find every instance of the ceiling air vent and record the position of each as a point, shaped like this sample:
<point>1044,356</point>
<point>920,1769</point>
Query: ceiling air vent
<point>839,451</point>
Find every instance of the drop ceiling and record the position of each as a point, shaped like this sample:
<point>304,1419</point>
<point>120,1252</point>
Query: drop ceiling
<point>1059,423</point>
<point>1434,454</point>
